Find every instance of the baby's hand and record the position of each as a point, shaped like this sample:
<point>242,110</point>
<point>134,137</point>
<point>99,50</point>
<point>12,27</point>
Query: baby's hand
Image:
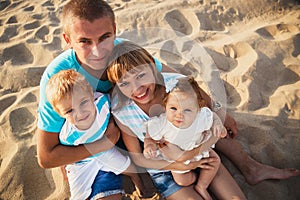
<point>218,129</point>
<point>150,151</point>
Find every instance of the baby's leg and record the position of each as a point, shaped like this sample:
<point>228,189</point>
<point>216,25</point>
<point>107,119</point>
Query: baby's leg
<point>184,179</point>
<point>206,176</point>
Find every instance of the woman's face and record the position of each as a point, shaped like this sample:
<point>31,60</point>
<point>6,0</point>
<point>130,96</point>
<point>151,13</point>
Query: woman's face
<point>138,85</point>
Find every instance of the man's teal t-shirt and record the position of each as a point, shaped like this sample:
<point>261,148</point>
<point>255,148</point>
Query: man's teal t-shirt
<point>48,119</point>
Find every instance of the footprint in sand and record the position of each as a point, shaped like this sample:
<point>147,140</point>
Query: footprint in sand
<point>278,32</point>
<point>5,102</point>
<point>18,55</point>
<point>21,121</point>
<point>179,22</point>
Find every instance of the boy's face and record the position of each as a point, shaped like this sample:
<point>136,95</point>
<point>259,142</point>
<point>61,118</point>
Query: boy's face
<point>181,109</point>
<point>138,85</point>
<point>92,42</point>
<point>78,109</point>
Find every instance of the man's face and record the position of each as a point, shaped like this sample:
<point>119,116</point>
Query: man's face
<point>92,42</point>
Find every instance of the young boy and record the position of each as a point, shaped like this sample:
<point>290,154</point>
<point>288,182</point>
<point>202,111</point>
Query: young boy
<point>87,116</point>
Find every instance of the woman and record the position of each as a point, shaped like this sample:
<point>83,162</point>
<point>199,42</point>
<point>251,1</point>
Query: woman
<point>138,95</point>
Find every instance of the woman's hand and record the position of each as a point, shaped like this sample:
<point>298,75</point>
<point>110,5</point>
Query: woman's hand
<point>204,163</point>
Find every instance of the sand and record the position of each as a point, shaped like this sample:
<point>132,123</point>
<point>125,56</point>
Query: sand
<point>254,46</point>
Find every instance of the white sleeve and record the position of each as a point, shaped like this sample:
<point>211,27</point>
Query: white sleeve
<point>154,128</point>
<point>207,117</point>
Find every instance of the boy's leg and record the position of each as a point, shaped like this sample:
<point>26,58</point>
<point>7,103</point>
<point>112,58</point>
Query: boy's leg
<point>143,190</point>
<point>206,176</point>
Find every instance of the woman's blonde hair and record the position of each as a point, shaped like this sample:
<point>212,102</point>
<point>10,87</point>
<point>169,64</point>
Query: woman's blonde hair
<point>188,85</point>
<point>62,85</point>
<point>129,57</point>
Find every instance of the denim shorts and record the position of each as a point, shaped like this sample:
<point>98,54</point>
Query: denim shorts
<point>106,184</point>
<point>164,183</point>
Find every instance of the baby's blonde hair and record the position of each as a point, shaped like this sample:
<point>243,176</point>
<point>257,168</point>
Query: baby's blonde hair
<point>188,85</point>
<point>62,84</point>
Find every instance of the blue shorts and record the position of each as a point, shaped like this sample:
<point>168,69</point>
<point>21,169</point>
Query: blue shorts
<point>164,183</point>
<point>106,184</point>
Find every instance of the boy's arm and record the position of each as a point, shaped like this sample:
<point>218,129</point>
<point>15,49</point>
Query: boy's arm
<point>51,153</point>
<point>149,147</point>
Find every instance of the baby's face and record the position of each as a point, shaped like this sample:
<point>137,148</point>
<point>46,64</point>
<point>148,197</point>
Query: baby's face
<point>181,109</point>
<point>78,109</point>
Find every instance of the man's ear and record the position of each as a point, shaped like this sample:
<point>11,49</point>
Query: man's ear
<point>67,39</point>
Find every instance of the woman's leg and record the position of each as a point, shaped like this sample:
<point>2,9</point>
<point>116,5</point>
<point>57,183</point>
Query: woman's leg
<point>253,171</point>
<point>185,193</point>
<point>225,187</point>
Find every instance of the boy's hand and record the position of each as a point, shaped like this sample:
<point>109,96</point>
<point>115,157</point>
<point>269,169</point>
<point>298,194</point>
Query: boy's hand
<point>150,151</point>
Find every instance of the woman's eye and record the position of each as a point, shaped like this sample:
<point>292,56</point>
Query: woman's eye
<point>123,84</point>
<point>141,75</point>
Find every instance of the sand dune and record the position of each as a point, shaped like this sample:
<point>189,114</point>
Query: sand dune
<point>253,45</point>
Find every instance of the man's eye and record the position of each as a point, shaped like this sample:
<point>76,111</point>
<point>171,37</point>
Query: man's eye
<point>104,37</point>
<point>84,41</point>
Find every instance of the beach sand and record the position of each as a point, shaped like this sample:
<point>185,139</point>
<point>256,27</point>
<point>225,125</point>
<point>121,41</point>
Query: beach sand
<point>254,46</point>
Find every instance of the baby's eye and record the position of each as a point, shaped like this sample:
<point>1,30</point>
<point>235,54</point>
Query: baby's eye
<point>173,108</point>
<point>187,110</point>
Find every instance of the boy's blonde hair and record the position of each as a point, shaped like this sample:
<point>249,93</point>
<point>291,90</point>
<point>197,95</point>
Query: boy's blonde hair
<point>190,86</point>
<point>62,85</point>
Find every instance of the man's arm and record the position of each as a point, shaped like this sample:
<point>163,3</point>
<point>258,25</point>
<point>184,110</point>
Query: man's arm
<point>53,154</point>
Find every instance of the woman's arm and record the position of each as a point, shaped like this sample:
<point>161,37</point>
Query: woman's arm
<point>53,154</point>
<point>173,152</point>
<point>133,145</point>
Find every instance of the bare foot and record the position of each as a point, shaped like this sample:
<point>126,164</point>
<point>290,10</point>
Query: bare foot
<point>203,192</point>
<point>261,172</point>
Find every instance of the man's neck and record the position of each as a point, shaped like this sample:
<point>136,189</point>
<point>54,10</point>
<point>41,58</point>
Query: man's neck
<point>99,74</point>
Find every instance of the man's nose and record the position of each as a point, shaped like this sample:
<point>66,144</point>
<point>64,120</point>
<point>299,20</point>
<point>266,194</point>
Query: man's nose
<point>97,49</point>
